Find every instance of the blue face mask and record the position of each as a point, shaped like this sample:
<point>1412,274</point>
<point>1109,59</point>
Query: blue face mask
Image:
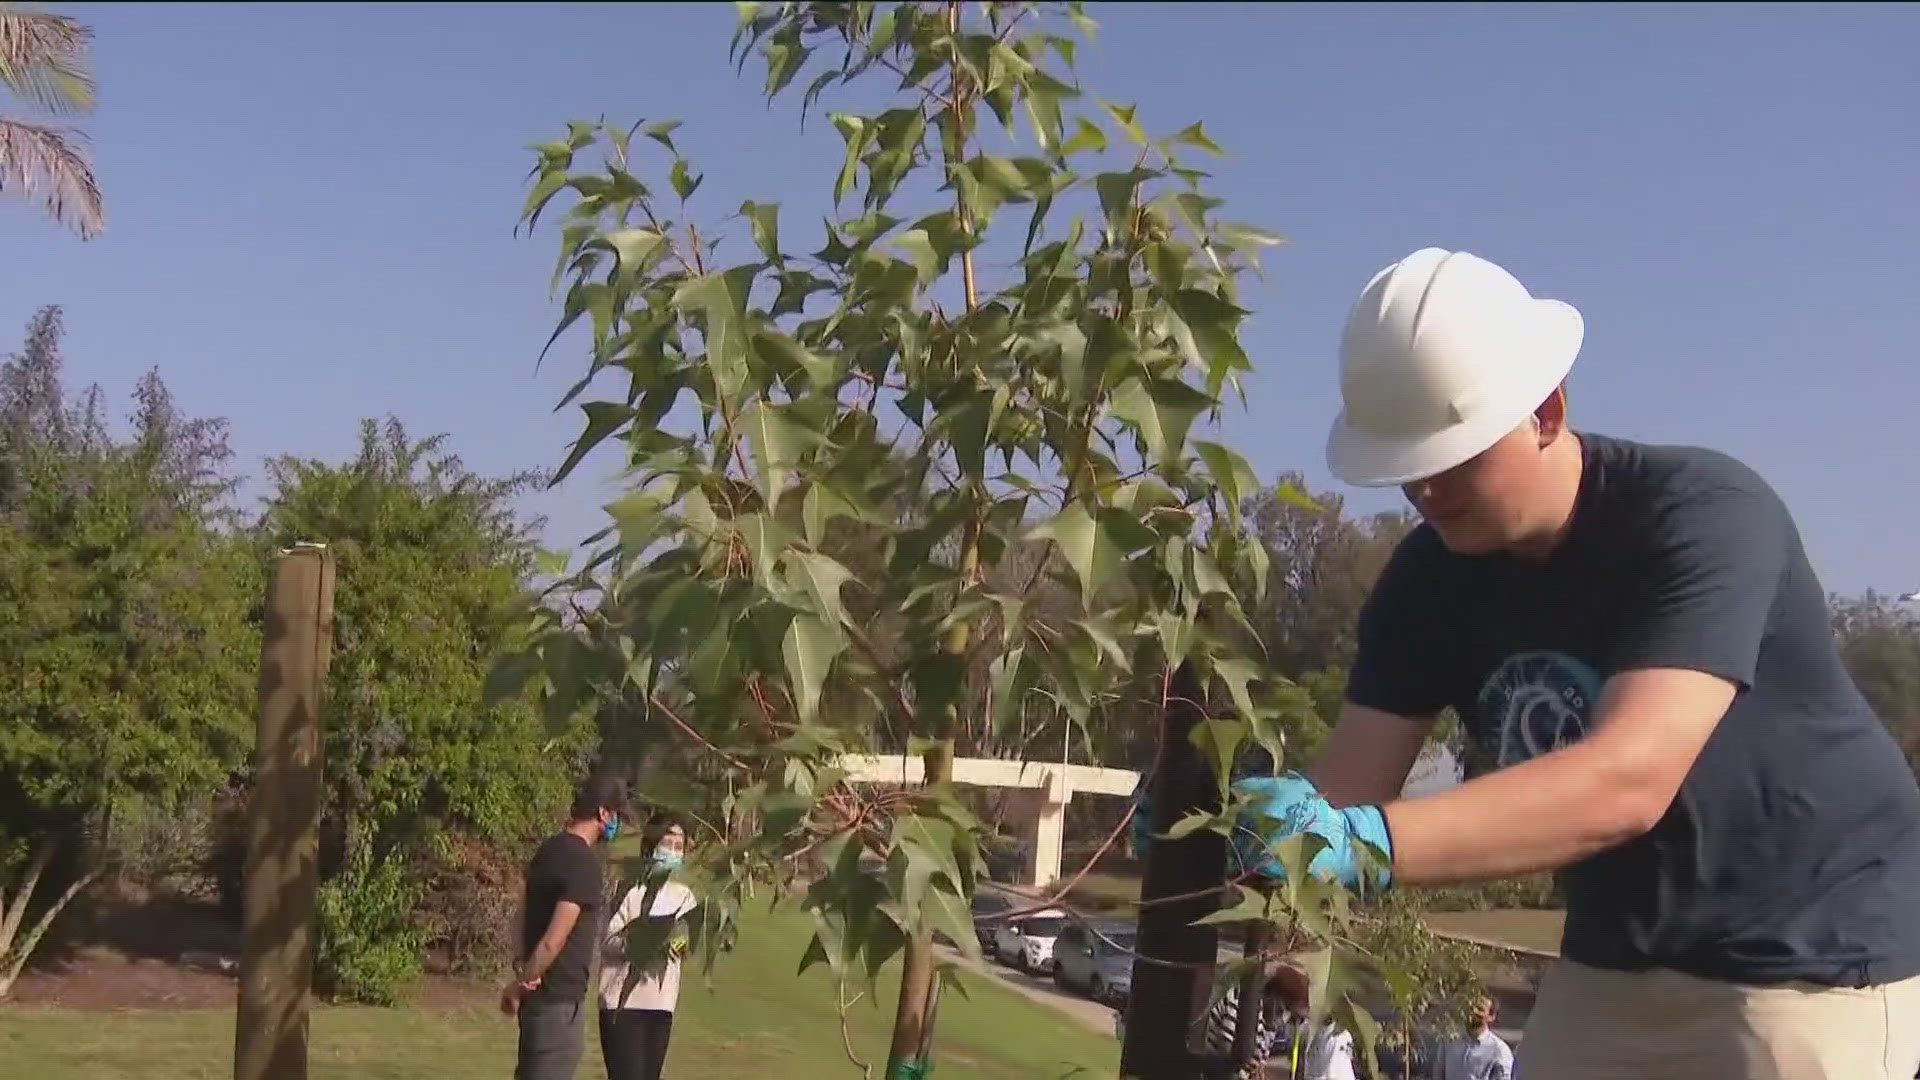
<point>609,828</point>
<point>672,860</point>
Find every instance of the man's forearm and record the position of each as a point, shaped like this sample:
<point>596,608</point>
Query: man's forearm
<point>1540,815</point>
<point>535,967</point>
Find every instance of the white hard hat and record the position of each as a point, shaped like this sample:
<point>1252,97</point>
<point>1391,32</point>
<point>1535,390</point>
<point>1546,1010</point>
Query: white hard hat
<point>1443,355</point>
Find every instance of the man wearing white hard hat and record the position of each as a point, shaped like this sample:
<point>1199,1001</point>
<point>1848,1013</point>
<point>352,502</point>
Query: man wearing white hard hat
<point>1635,634</point>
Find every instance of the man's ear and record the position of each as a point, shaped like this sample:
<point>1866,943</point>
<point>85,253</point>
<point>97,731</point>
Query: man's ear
<point>1550,419</point>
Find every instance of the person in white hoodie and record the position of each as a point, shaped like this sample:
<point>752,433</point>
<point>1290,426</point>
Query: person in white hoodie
<point>646,941</point>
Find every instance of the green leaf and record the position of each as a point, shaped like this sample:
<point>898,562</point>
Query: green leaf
<point>765,219</point>
<point>1231,473</point>
<point>1004,673</point>
<point>823,577</point>
<point>1124,116</point>
<point>1243,235</point>
<point>1086,546</point>
<point>927,262</point>
<point>782,352</point>
<point>822,504</point>
<point>766,539</point>
<point>809,650</point>
<point>637,517</point>
<point>549,184</point>
<point>1237,673</point>
<point>880,34</point>
<point>1219,742</point>
<point>964,422</point>
<point>551,563</point>
<point>778,441</point>
<point>1101,633</point>
<point>722,298</point>
<point>1213,323</point>
<point>857,131</point>
<point>662,132</point>
<point>633,247</point>
<point>1191,824</point>
<point>1087,135</point>
<point>1081,20</point>
<point>1195,135</point>
<point>603,419</point>
<point>1163,410</point>
<point>1251,907</point>
<point>684,183</point>
<point>949,914</point>
<point>1207,578</point>
<point>1176,635</point>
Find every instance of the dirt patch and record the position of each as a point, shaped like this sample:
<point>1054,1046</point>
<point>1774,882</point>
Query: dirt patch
<point>98,979</point>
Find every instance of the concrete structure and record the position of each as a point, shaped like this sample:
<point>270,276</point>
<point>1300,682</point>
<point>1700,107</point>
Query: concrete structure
<point>1051,786</point>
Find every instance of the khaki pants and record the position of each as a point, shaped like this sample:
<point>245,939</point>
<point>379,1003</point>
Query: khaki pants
<point>1590,1024</point>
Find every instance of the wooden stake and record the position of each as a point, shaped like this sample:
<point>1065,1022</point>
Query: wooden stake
<point>1168,998</point>
<point>283,820</point>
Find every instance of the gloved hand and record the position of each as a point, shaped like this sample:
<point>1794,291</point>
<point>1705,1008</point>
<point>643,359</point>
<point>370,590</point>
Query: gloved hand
<point>1287,805</point>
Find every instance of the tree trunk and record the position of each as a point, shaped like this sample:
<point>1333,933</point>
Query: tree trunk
<point>18,956</point>
<point>13,911</point>
<point>913,1019</point>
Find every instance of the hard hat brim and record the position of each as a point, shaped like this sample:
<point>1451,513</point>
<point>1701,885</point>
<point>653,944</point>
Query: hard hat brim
<point>1364,459</point>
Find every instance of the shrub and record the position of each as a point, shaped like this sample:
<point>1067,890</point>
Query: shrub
<point>367,945</point>
<point>472,895</point>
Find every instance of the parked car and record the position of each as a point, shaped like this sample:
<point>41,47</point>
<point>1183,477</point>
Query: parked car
<point>1096,958</point>
<point>1027,942</point>
<point>985,926</point>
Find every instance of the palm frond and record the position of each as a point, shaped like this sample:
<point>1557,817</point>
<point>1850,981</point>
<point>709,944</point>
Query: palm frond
<point>48,165</point>
<point>43,60</point>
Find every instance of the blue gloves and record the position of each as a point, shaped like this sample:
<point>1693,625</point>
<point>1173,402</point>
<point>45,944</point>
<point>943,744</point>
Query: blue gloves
<point>1284,806</point>
<point>1287,805</point>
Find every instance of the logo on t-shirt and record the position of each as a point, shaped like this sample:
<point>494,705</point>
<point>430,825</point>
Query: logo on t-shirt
<point>1536,702</point>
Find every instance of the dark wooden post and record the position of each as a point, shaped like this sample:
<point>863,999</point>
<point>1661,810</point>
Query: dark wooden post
<point>1169,997</point>
<point>283,820</point>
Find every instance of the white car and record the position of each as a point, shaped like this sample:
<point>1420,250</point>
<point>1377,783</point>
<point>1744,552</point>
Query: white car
<point>1027,942</point>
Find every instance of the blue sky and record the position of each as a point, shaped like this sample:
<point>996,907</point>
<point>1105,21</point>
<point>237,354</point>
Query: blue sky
<point>311,209</point>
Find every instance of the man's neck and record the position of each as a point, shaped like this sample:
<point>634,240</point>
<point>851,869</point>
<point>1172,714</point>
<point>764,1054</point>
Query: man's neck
<point>1559,495</point>
<point>585,830</point>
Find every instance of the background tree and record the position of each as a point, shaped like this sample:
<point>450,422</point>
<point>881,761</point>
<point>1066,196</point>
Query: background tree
<point>45,66</point>
<point>433,566</point>
<point>959,379</point>
<point>1880,644</point>
<point>125,641</point>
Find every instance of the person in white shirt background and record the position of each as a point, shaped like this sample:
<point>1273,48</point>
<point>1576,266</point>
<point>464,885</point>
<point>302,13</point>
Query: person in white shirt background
<point>1479,1054</point>
<point>640,964</point>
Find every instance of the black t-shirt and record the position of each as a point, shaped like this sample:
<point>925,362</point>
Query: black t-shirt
<point>563,869</point>
<point>1792,850</point>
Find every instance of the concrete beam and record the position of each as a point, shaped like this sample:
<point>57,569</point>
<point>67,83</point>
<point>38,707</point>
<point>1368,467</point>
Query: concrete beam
<point>1056,786</point>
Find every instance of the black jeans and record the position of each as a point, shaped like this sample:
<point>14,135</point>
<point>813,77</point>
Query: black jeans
<point>553,1036</point>
<point>634,1042</point>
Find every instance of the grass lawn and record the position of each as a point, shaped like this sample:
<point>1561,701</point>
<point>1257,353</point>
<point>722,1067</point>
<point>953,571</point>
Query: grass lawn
<point>760,1020</point>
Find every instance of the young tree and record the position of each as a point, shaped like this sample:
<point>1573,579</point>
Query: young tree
<point>124,636</point>
<point>44,63</point>
<point>1006,338</point>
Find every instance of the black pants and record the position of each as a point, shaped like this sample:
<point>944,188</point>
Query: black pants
<point>553,1036</point>
<point>634,1042</point>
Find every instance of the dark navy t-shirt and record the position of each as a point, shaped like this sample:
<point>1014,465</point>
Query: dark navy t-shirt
<point>1792,850</point>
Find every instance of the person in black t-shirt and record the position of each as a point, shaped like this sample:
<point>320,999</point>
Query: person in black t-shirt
<point>560,924</point>
<point>1635,635</point>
